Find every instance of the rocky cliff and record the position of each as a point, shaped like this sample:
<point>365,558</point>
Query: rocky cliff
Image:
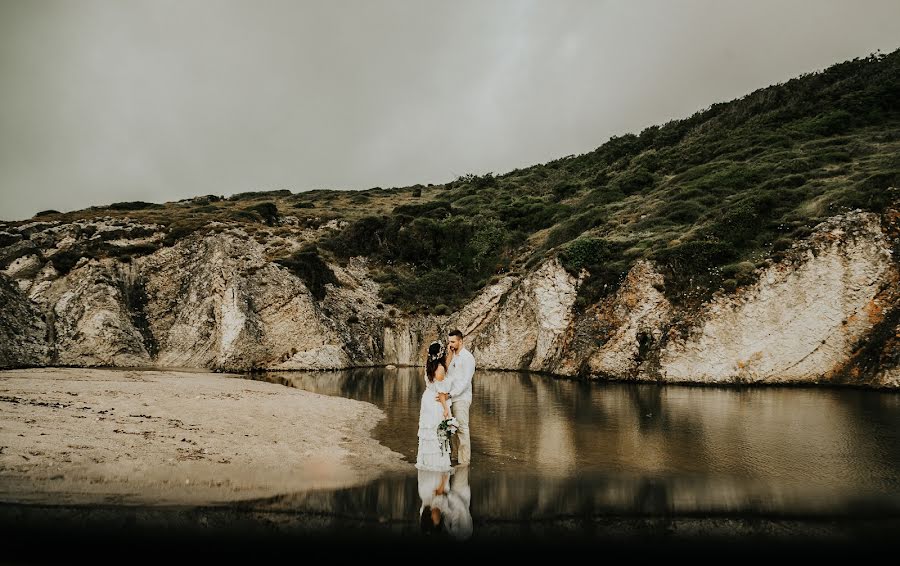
<point>829,312</point>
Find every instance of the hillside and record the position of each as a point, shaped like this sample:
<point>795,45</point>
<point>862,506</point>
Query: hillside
<point>701,206</point>
<point>708,197</point>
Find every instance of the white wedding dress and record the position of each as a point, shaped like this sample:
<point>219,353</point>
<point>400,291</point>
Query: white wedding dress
<point>430,457</point>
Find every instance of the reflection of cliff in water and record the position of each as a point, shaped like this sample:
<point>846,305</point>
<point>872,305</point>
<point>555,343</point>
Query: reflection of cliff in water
<point>782,438</point>
<point>526,498</point>
<point>654,514</point>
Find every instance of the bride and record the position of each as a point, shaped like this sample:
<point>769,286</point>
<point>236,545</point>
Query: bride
<point>430,455</point>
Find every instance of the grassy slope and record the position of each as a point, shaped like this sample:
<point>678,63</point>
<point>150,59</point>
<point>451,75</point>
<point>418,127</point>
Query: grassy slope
<point>708,198</point>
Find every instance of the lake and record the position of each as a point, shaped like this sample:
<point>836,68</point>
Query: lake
<point>549,450</point>
<point>638,468</point>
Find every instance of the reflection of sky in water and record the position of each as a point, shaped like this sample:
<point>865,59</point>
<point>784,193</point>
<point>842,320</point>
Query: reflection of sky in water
<point>564,446</point>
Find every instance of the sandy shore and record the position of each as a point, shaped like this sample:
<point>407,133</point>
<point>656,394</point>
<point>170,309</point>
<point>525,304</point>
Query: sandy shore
<point>119,436</point>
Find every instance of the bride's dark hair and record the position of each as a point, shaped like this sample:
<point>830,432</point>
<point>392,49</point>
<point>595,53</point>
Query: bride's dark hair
<point>427,523</point>
<point>436,355</point>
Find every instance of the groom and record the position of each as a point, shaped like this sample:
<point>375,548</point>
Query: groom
<point>460,373</point>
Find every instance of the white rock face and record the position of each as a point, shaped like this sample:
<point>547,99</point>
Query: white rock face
<point>24,269</point>
<point>216,302</point>
<point>521,324</point>
<point>93,326</point>
<point>827,313</point>
<point>889,378</point>
<point>801,320</point>
<point>23,334</point>
<point>637,314</point>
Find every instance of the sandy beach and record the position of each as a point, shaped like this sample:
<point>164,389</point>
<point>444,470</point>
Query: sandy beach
<point>71,435</point>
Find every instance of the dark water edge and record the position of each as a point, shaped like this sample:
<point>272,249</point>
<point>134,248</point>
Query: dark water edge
<point>53,534</point>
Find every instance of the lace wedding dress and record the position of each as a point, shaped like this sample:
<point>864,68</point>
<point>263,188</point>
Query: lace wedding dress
<point>430,457</point>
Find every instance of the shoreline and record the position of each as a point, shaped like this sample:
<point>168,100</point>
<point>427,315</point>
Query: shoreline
<point>573,378</point>
<point>161,437</point>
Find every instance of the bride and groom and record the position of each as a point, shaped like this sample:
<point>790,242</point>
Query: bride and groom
<point>448,393</point>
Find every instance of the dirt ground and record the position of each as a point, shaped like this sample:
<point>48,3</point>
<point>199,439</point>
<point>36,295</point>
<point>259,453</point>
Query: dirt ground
<point>166,437</point>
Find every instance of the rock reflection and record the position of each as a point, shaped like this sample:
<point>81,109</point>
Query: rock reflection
<point>468,501</point>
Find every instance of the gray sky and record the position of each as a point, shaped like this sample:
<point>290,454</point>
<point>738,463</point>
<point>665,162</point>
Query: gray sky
<point>112,100</point>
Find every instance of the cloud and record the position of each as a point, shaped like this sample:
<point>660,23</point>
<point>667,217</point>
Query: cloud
<point>109,100</point>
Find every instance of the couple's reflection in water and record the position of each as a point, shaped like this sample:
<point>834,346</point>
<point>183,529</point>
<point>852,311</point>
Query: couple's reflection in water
<point>446,499</point>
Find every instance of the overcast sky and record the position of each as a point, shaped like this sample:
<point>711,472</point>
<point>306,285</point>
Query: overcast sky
<point>112,100</point>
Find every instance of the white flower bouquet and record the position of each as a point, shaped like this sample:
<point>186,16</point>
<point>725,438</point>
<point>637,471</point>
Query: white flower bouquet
<point>446,429</point>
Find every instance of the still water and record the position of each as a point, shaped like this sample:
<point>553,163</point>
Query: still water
<point>552,449</point>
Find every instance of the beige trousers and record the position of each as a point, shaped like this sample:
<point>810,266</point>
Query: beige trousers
<point>462,442</point>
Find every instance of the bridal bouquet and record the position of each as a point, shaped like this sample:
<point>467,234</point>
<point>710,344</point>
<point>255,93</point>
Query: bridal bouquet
<point>446,429</point>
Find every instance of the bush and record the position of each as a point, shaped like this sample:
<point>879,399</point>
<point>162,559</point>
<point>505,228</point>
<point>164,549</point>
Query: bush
<point>742,272</point>
<point>741,222</point>
<point>482,182</point>
<point>695,256</point>
<point>134,205</point>
<point>390,295</point>
<point>564,190</point>
<point>181,229</point>
<point>312,270</point>
<point>433,287</point>
<point>365,236</point>
<point>441,310</point>
<point>634,181</point>
<point>437,210</point>
<point>600,179</point>
<point>781,244</point>
<point>689,268</point>
<point>268,211</point>
<point>245,216</point>
<point>251,195</point>
<point>531,214</point>
<point>832,123</point>
<point>487,240</point>
<point>587,251</point>
<point>574,227</point>
<point>684,212</point>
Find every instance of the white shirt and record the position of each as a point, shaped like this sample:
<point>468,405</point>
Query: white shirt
<point>460,373</point>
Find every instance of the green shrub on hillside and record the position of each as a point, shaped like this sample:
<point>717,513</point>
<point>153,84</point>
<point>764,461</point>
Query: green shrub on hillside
<point>312,270</point>
<point>134,205</point>
<point>634,181</point>
<point>268,212</point>
<point>252,195</point>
